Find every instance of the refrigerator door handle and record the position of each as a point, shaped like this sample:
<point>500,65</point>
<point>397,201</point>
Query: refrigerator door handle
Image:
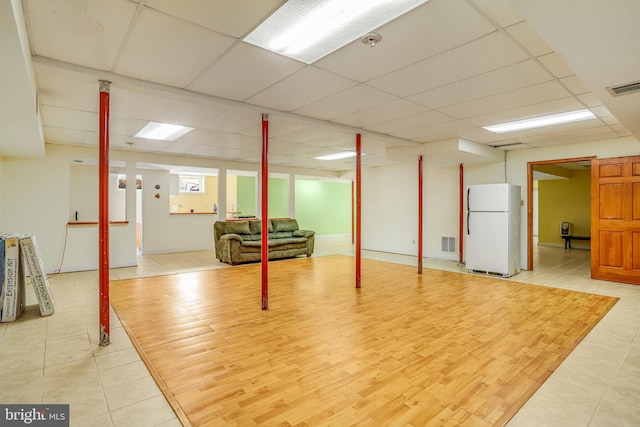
<point>468,193</point>
<point>468,230</point>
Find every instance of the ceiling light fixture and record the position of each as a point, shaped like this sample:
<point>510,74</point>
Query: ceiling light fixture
<point>542,121</point>
<point>338,156</point>
<point>308,30</point>
<point>162,131</point>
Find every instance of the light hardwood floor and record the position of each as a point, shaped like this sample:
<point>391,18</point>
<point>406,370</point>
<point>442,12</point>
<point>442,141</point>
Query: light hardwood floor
<point>58,359</point>
<point>406,349</point>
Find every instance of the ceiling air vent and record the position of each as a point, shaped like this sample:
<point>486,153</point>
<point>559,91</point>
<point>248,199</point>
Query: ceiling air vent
<point>625,89</point>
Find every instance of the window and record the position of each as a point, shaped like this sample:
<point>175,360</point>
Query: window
<point>192,184</point>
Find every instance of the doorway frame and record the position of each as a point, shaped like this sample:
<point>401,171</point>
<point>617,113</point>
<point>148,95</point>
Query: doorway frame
<point>530,167</point>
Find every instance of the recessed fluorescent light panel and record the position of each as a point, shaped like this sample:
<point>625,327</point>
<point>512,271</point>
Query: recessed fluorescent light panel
<point>308,30</point>
<point>542,121</point>
<point>338,156</point>
<point>162,131</point>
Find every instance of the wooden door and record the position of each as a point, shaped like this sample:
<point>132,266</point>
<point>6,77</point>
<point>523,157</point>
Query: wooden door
<point>615,219</point>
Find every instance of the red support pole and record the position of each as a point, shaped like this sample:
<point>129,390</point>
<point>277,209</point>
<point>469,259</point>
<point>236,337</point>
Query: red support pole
<point>358,210</point>
<point>420,215</point>
<point>103,212</point>
<point>265,212</point>
<point>461,231</point>
<point>353,205</point>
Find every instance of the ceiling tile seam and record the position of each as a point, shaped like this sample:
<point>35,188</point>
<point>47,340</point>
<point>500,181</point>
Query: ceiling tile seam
<point>551,78</point>
<point>195,24</point>
<point>67,108</point>
<point>125,40</point>
<point>307,66</point>
<point>418,61</point>
<point>27,19</point>
<point>214,62</point>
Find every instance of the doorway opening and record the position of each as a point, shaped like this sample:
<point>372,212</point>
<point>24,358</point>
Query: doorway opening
<point>559,169</point>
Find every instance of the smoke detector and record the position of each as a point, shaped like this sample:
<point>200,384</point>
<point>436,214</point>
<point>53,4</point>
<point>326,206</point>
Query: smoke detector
<point>371,39</point>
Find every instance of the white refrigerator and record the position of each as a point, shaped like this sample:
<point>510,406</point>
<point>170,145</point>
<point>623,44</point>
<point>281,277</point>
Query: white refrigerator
<point>493,229</point>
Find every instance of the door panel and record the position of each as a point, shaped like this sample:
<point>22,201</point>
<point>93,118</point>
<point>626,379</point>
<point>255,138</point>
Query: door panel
<point>611,249</point>
<point>611,201</point>
<point>615,219</point>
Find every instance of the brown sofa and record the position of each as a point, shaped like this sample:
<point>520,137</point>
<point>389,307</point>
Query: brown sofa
<point>241,241</point>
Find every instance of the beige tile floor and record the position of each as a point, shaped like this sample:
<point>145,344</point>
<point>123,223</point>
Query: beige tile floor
<point>58,360</point>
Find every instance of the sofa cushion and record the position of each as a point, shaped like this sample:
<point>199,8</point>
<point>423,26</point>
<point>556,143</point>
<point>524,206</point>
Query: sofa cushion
<point>250,237</point>
<point>284,225</point>
<point>281,235</point>
<point>237,227</point>
<point>256,226</point>
<point>277,242</point>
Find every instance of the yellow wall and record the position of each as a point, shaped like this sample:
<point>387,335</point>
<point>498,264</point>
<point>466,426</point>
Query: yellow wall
<point>199,202</point>
<point>564,200</point>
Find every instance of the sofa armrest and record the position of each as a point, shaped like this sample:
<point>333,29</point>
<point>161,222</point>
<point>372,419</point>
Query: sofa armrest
<point>231,237</point>
<point>229,250</point>
<point>303,233</point>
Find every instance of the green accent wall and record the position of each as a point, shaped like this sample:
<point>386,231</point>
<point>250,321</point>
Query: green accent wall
<point>323,206</point>
<point>564,200</point>
<point>278,197</point>
<point>246,195</point>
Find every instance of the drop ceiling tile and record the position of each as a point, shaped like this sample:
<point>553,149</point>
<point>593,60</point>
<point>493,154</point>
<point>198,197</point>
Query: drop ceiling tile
<point>278,125</point>
<point>556,65</point>
<point>231,17</point>
<point>349,101</point>
<point>482,136</point>
<point>434,132</point>
<point>508,78</point>
<point>551,107</point>
<point>167,50</point>
<point>67,118</point>
<point>126,126</point>
<point>302,88</point>
<point>187,113</point>
<point>233,120</point>
<point>559,132</point>
<point>524,34</point>
<point>137,105</point>
<point>509,100</point>
<point>590,99</point>
<point>200,136</point>
<point>421,33</point>
<point>488,53</point>
<point>387,111</point>
<point>392,127</point>
<point>67,89</point>
<point>574,84</point>
<point>244,71</point>
<point>87,33</point>
<point>63,135</point>
<point>287,147</point>
<point>591,136</point>
<point>501,11</point>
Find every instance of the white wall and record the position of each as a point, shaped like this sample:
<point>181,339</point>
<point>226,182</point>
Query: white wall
<point>390,193</point>
<point>35,199</point>
<point>35,193</point>
<point>389,200</point>
<point>390,209</point>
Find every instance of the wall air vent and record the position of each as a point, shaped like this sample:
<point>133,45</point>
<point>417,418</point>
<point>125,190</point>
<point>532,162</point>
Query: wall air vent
<point>448,244</point>
<point>625,89</point>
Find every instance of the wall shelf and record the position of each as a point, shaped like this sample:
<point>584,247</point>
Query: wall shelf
<point>96,223</point>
